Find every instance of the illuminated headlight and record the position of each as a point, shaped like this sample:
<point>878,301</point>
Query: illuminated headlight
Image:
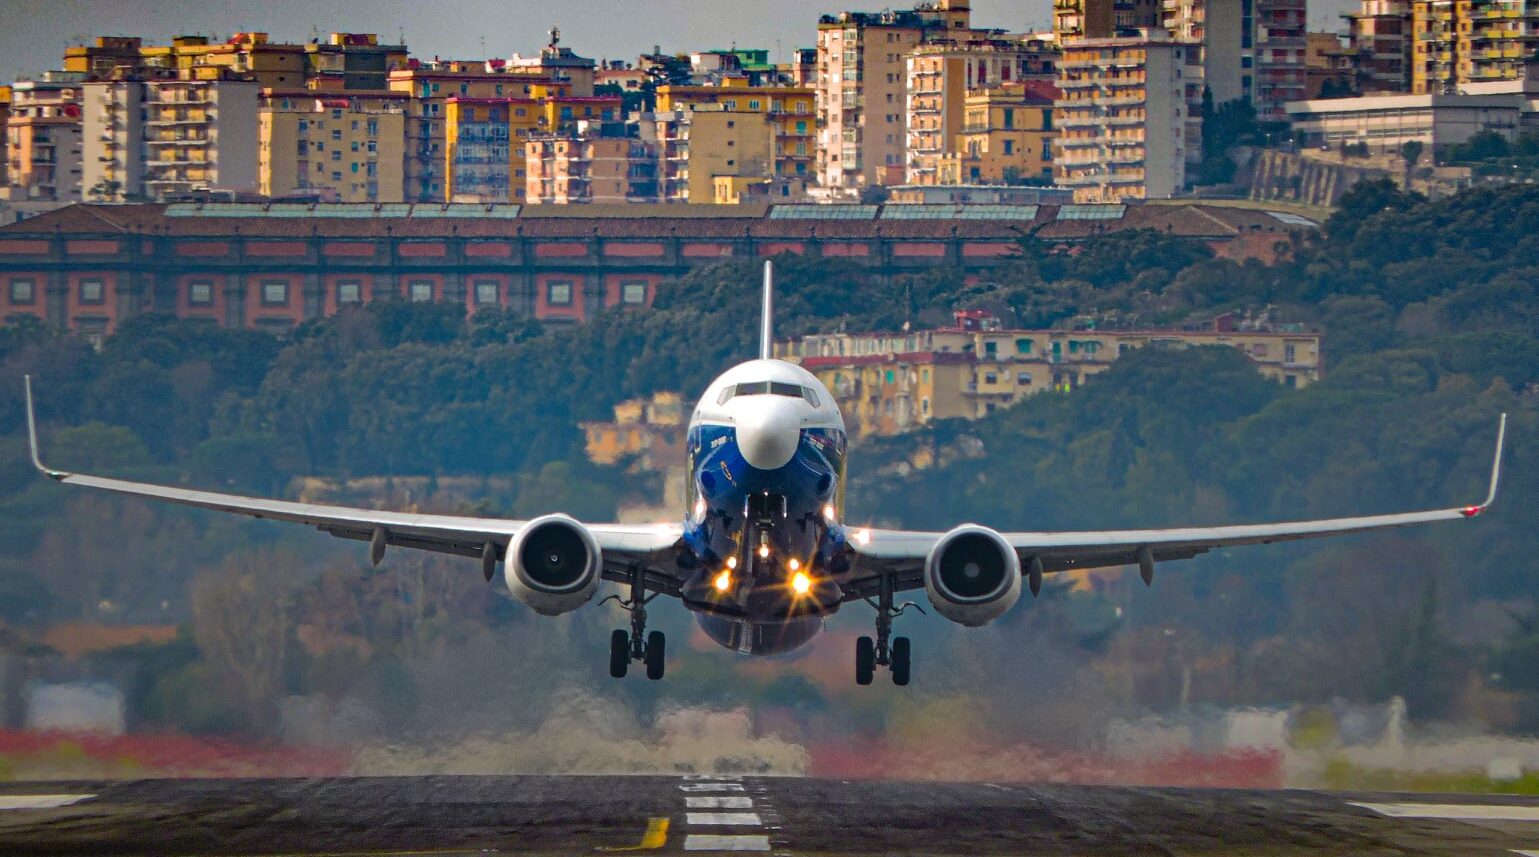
<point>801,584</point>
<point>764,551</point>
<point>723,581</point>
<point>794,564</point>
<point>828,512</point>
<point>731,562</point>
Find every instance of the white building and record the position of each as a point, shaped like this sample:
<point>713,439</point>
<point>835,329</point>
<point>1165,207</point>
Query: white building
<point>158,138</point>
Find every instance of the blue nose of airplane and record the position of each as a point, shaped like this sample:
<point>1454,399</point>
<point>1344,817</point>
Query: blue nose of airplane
<point>769,428</point>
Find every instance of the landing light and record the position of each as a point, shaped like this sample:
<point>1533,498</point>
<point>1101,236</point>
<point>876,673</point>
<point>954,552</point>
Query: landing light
<point>700,508</point>
<point>723,581</point>
<point>794,564</point>
<point>731,562</point>
<point>801,583</point>
<point>863,536</point>
<point>828,512</point>
<point>764,551</point>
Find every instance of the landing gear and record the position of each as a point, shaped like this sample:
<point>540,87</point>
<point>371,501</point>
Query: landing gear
<point>884,651</point>
<point>636,644</point>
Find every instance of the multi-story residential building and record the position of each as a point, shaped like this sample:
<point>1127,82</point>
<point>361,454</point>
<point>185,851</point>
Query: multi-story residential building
<point>42,138</point>
<point>5,118</point>
<point>1331,67</point>
<point>862,89</point>
<point>159,138</point>
<point>483,147</point>
<point>886,383</point>
<point>1224,33</point>
<point>939,77</point>
<point>599,163</point>
<point>1458,41</point>
<point>1006,137</point>
<point>340,146</point>
<point>1281,55</point>
<point>1100,19</point>
<point>1123,117</point>
<point>789,112</point>
<point>352,61</point>
<point>696,147</point>
<point>1380,36</point>
<point>649,433</point>
<point>561,66</point>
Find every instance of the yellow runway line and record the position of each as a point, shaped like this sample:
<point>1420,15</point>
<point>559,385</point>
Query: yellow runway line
<point>655,837</point>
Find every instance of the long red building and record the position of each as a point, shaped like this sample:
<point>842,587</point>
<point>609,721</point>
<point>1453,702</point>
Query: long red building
<point>272,265</point>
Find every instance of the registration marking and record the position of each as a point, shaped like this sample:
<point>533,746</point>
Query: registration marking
<point>1455,811</point>
<point>40,801</point>
<point>743,819</point>
<point>713,842</point>
<point>718,802</point>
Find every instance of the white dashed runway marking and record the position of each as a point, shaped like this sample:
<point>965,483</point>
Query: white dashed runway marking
<point>740,819</point>
<point>710,842</point>
<point>1454,811</point>
<point>712,787</point>
<point>718,802</point>
<point>40,801</point>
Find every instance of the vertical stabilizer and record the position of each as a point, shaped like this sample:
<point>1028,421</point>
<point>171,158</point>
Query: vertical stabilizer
<point>767,319</point>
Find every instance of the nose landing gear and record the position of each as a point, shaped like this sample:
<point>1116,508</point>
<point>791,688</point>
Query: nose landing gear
<point>637,644</point>
<point>884,651</point>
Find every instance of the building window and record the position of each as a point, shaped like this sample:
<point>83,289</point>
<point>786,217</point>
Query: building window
<point>990,378</point>
<point>275,293</point>
<point>1023,346</point>
<point>337,135</point>
<point>91,292</point>
<point>991,348</point>
<point>200,293</point>
<point>420,291</point>
<point>349,292</point>
<point>558,293</point>
<point>633,293</point>
<point>486,293</point>
<point>1023,378</point>
<point>23,292</point>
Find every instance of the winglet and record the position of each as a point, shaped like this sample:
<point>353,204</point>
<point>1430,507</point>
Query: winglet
<point>1496,462</point>
<point>767,319</point>
<point>37,461</point>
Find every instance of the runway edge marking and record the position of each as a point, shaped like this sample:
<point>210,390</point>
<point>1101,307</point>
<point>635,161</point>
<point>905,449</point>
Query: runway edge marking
<point>53,801</point>
<point>1453,811</point>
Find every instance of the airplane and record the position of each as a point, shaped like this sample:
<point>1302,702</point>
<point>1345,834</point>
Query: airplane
<point>764,552</point>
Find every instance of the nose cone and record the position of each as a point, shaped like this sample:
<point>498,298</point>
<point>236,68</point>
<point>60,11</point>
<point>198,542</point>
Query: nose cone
<point>768,431</point>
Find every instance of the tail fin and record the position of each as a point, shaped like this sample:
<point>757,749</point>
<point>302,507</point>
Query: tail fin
<point>767,321</point>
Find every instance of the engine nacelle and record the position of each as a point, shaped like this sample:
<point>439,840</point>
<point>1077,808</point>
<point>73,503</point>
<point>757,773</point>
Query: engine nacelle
<point>972,575</point>
<point>553,565</point>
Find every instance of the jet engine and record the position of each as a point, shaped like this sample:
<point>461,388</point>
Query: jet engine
<point>553,565</point>
<point>972,575</point>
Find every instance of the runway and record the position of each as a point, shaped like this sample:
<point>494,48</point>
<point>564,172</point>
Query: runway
<point>404,816</point>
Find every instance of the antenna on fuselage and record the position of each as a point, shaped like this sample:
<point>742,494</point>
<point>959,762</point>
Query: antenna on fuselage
<point>767,320</point>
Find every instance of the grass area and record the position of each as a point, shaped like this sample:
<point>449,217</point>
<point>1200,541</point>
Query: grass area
<point>1342,775</point>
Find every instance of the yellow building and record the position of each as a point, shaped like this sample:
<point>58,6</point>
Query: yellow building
<point>1007,136</point>
<point>889,382</point>
<point>649,432</point>
<point>1456,42</point>
<point>589,166</point>
<point>1080,19</point>
<point>789,111</point>
<point>695,147</point>
<point>346,147</point>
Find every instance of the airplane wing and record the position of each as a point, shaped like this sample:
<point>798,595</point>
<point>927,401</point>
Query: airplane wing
<point>487,538</point>
<point>903,553</point>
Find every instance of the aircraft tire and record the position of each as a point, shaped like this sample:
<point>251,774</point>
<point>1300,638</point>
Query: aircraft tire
<point>865,660</point>
<point>619,653</point>
<point>656,653</point>
<point>900,661</point>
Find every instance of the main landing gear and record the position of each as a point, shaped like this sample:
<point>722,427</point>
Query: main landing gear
<point>636,644</point>
<point>884,652</point>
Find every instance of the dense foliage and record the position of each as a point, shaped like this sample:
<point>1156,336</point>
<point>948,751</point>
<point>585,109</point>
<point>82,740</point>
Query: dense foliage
<point>1432,327</point>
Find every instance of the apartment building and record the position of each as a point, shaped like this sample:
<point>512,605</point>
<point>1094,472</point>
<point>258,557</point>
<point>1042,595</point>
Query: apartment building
<point>43,139</point>
<point>342,61</point>
<point>1379,33</point>
<point>1281,56</point>
<point>862,89</point>
<point>337,145</point>
<point>5,118</point>
<point>1006,137</point>
<point>697,147</point>
<point>352,61</point>
<point>940,76</point>
<point>1456,42</point>
<point>599,163</point>
<point>1223,31</point>
<point>158,138</point>
<point>1123,117</point>
<point>788,111</point>
<point>887,383</point>
<point>1100,19</point>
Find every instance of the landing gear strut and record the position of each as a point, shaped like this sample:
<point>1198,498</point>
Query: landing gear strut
<point>637,644</point>
<point>884,651</point>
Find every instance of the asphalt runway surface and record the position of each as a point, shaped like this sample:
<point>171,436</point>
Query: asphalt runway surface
<point>403,816</point>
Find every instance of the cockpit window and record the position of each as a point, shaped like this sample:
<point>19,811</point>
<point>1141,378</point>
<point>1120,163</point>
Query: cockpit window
<point>767,388</point>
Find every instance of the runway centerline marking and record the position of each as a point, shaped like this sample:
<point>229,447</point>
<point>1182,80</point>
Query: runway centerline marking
<point>713,842</point>
<point>718,802</point>
<point>40,801</point>
<point>745,819</point>
<point>1526,853</point>
<point>1453,811</point>
<point>655,837</point>
<point>712,787</point>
